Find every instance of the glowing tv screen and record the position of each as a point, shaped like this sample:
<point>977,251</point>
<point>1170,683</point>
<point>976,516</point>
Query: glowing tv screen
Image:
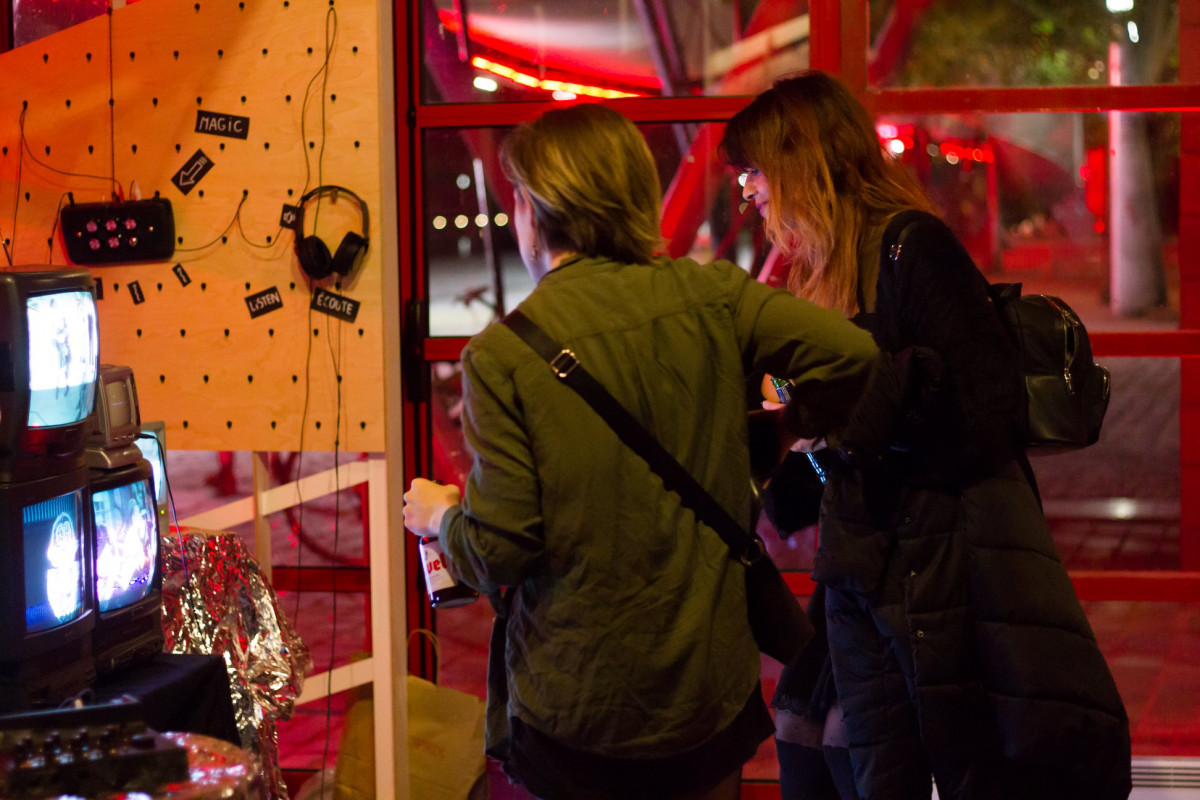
<point>63,357</point>
<point>126,520</point>
<point>54,548</point>
<point>152,451</point>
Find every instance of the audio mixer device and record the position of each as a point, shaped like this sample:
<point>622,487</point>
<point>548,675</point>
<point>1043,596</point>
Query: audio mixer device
<point>86,750</point>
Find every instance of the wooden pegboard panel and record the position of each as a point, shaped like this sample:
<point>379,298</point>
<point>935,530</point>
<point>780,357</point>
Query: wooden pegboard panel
<point>220,378</point>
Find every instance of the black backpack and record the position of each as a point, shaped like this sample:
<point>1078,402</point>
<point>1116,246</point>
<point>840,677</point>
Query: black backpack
<point>1068,392</point>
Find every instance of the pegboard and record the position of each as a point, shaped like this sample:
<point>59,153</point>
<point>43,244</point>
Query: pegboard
<point>279,118</point>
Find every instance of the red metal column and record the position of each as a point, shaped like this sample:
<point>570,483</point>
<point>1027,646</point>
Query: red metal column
<point>825,35</point>
<point>1189,293</point>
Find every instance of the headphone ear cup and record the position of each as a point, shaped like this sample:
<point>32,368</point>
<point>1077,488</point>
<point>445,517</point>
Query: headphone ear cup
<point>348,253</point>
<point>314,257</point>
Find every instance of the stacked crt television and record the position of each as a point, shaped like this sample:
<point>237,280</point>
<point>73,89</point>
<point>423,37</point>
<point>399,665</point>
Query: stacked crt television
<point>49,360</point>
<point>126,535</point>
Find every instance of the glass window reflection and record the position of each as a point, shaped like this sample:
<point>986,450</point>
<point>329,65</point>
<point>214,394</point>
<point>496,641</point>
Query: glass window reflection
<point>1048,199</point>
<point>475,270</point>
<point>513,50</point>
<point>1030,195</point>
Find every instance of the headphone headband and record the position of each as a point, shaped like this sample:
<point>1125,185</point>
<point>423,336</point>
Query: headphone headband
<point>334,190</point>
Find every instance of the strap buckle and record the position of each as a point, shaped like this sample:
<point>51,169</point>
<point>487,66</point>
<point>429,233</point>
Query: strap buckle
<point>753,552</point>
<point>564,363</point>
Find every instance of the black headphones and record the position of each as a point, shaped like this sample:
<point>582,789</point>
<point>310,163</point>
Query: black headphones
<point>313,253</point>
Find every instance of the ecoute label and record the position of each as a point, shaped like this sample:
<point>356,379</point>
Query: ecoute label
<point>335,305</point>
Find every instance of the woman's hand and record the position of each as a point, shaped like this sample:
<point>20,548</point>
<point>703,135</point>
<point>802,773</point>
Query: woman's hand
<point>425,503</point>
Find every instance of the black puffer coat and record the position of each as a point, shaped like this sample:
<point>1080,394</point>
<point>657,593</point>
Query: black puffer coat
<point>957,643</point>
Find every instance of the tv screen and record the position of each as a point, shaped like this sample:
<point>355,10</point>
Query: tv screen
<point>49,366</point>
<point>47,603</point>
<point>151,442</point>
<point>63,357</point>
<point>126,521</point>
<point>152,450</point>
<point>117,421</point>
<point>54,534</point>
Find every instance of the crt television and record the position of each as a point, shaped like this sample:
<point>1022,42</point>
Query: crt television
<point>47,606</point>
<point>127,566</point>
<point>116,420</point>
<point>49,358</point>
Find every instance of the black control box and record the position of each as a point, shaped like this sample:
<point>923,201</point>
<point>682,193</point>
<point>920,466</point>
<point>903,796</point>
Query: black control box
<point>119,232</point>
<point>86,751</point>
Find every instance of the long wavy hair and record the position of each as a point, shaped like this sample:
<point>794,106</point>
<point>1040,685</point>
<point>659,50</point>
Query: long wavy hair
<point>830,180</point>
<point>592,182</point>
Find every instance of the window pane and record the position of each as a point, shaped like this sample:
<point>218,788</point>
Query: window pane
<point>1065,43</point>
<point>1115,505</point>
<point>1084,206</point>
<point>472,252</point>
<point>513,50</point>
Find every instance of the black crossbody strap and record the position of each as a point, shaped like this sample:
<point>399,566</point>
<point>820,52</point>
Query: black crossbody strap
<point>675,478</point>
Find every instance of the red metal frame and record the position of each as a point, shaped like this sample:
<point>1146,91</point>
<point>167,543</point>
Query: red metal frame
<point>838,44</point>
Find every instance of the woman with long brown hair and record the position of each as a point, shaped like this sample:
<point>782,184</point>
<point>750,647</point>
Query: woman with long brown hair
<point>955,647</point>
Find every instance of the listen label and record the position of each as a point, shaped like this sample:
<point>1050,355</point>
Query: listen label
<point>264,302</point>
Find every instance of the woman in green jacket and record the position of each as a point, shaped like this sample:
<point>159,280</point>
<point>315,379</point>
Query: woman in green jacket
<point>630,668</point>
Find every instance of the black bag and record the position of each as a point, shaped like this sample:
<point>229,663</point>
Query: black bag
<point>1068,392</point>
<point>780,627</point>
<point>779,624</point>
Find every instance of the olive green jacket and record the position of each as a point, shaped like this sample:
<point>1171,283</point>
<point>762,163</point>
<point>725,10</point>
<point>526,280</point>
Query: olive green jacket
<point>628,634</point>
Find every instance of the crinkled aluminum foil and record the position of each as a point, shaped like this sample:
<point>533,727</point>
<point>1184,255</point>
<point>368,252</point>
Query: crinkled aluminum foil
<point>216,769</point>
<point>217,600</point>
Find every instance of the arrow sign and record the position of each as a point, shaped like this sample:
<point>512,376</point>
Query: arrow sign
<point>190,173</point>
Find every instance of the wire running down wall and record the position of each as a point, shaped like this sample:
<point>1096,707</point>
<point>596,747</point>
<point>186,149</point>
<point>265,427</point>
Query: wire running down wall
<point>230,110</point>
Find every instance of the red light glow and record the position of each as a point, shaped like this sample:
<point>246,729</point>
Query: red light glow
<point>522,79</point>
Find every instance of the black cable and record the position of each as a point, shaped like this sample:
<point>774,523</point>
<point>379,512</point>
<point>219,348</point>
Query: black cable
<point>299,526</point>
<point>53,228</point>
<point>17,199</point>
<point>26,149</point>
<point>335,357</point>
<point>330,38</point>
<point>323,73</point>
<point>236,213</point>
<point>112,103</point>
<point>330,25</point>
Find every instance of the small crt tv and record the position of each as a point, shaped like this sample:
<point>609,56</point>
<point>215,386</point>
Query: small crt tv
<point>47,606</point>
<point>49,359</point>
<point>126,566</point>
<point>116,420</point>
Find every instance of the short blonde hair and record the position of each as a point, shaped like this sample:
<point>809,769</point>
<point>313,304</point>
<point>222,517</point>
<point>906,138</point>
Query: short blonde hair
<point>591,180</point>
<point>828,177</point>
